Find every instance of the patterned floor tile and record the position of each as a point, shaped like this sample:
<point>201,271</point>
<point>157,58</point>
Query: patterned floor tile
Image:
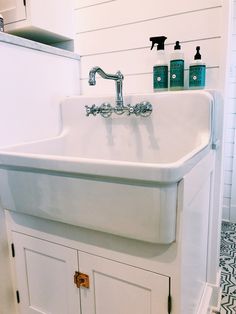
<point>228,305</point>
<point>228,284</point>
<point>228,266</point>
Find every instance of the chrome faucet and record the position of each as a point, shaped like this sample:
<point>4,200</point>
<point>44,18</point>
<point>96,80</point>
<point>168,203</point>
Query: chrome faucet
<point>143,109</point>
<point>118,78</point>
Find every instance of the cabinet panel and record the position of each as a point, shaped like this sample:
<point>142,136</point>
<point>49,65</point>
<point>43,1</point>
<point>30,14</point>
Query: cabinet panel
<point>12,10</point>
<point>120,289</point>
<point>44,273</point>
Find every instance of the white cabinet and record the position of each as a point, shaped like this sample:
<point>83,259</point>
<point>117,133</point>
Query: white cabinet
<point>48,21</point>
<point>123,276</point>
<point>45,281</point>
<point>44,276</point>
<point>120,289</point>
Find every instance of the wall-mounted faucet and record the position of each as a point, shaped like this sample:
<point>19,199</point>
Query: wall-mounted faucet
<point>118,78</point>
<point>143,109</point>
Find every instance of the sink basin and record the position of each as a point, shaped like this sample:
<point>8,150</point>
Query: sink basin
<point>117,175</point>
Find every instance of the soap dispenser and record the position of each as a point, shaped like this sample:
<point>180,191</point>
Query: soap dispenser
<point>160,69</point>
<point>177,68</point>
<point>197,72</point>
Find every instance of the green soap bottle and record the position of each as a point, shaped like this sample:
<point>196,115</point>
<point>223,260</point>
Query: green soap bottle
<point>177,68</point>
<point>197,72</point>
<point>160,69</point>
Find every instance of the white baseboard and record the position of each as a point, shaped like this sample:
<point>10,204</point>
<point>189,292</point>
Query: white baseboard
<point>211,298</point>
<point>205,303</point>
<point>216,295</point>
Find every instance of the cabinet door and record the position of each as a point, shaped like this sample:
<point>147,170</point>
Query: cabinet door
<point>12,10</point>
<point>45,276</point>
<point>121,289</point>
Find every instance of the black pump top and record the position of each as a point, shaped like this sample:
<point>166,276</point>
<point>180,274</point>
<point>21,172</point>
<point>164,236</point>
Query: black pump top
<point>160,41</point>
<point>197,55</point>
<point>177,45</point>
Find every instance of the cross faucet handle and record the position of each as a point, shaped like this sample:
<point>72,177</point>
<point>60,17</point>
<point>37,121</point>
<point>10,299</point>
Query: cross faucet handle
<point>91,110</point>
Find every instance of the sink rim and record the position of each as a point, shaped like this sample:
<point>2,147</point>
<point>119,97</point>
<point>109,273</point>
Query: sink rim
<point>127,170</point>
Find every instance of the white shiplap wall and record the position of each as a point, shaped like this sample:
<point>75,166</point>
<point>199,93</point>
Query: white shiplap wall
<point>115,35</point>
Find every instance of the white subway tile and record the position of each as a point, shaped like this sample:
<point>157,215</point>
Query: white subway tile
<point>227,190</point>
<point>228,149</point>
<point>229,135</point>
<point>230,120</point>
<point>228,177</point>
<point>231,106</point>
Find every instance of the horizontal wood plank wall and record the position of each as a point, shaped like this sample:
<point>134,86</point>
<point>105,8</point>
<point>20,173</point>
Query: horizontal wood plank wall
<point>114,34</point>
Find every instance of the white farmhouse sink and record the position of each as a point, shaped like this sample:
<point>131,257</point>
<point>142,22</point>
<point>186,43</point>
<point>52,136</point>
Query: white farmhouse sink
<point>118,175</point>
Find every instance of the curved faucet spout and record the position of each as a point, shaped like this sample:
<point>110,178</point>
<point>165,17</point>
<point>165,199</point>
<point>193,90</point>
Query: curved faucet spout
<point>118,78</point>
<point>94,70</point>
